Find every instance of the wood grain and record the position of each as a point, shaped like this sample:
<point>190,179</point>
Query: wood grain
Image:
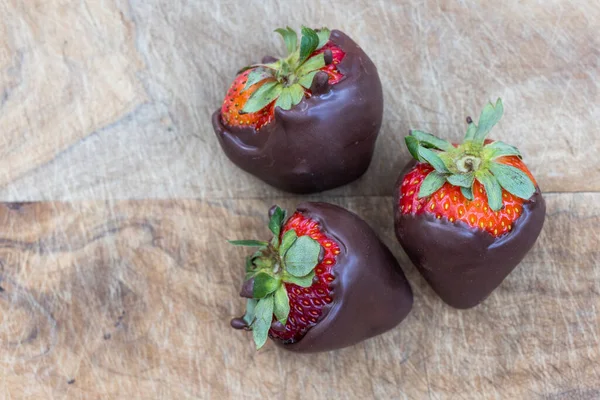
<point>132,300</point>
<point>65,72</point>
<point>112,99</point>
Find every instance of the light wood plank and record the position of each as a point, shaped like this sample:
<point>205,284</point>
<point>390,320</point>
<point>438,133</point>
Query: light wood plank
<point>65,71</point>
<point>68,69</point>
<point>132,299</point>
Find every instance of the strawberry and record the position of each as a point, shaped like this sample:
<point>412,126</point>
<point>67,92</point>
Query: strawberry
<point>466,214</point>
<point>323,281</point>
<point>450,203</point>
<point>256,91</point>
<point>306,122</point>
<point>306,303</point>
<point>236,99</point>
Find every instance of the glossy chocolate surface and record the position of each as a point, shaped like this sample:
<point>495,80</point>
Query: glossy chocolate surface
<point>462,264</point>
<point>370,292</point>
<point>325,141</point>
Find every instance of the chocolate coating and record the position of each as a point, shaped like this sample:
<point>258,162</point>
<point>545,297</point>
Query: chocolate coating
<point>325,141</point>
<point>370,292</point>
<point>239,323</point>
<point>462,264</point>
<point>247,288</point>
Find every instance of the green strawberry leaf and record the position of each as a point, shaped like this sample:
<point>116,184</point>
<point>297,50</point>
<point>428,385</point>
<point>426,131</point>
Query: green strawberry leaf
<point>431,184</point>
<point>263,318</point>
<point>263,262</point>
<point>302,256</point>
<point>290,37</point>
<point>492,189</point>
<point>297,93</point>
<point>259,252</point>
<point>489,117</point>
<point>281,306</point>
<point>471,160</point>
<point>250,307</point>
<point>428,140</point>
<point>249,265</point>
<point>290,96</point>
<point>314,63</point>
<point>264,284</point>
<point>462,180</point>
<point>257,75</point>
<point>471,130</point>
<point>263,96</point>
<point>448,161</point>
<point>412,144</point>
<point>275,65</point>
<point>432,158</point>
<point>284,101</point>
<point>305,281</point>
<point>276,221</point>
<point>284,70</point>
<point>467,192</point>
<point>271,67</point>
<point>248,243</point>
<point>287,241</point>
<point>513,180</point>
<point>499,149</point>
<point>249,275</point>
<point>308,43</point>
<point>323,35</point>
<point>307,79</point>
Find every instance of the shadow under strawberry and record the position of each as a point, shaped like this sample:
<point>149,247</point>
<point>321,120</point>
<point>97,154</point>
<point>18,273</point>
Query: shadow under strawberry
<point>322,136</point>
<point>325,281</point>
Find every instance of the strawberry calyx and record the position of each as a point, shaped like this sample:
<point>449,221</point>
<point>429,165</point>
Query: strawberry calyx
<point>475,159</point>
<point>285,80</point>
<point>287,258</point>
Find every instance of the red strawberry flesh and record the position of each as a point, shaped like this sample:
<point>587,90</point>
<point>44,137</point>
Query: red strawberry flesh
<point>234,102</point>
<point>306,304</point>
<point>450,204</point>
<point>332,69</point>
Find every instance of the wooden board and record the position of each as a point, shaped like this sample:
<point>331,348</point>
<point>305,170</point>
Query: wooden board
<point>112,99</point>
<point>107,104</point>
<point>132,300</point>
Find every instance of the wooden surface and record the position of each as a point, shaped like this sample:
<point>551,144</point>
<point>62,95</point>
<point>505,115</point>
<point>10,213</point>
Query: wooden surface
<point>119,283</point>
<point>133,299</point>
<point>112,99</point>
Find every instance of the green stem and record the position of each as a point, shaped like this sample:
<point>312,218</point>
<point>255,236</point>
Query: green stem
<point>468,164</point>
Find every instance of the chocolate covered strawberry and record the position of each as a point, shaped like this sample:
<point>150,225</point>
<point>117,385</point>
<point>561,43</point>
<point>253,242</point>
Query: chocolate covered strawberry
<point>467,214</point>
<point>307,122</point>
<point>324,281</point>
